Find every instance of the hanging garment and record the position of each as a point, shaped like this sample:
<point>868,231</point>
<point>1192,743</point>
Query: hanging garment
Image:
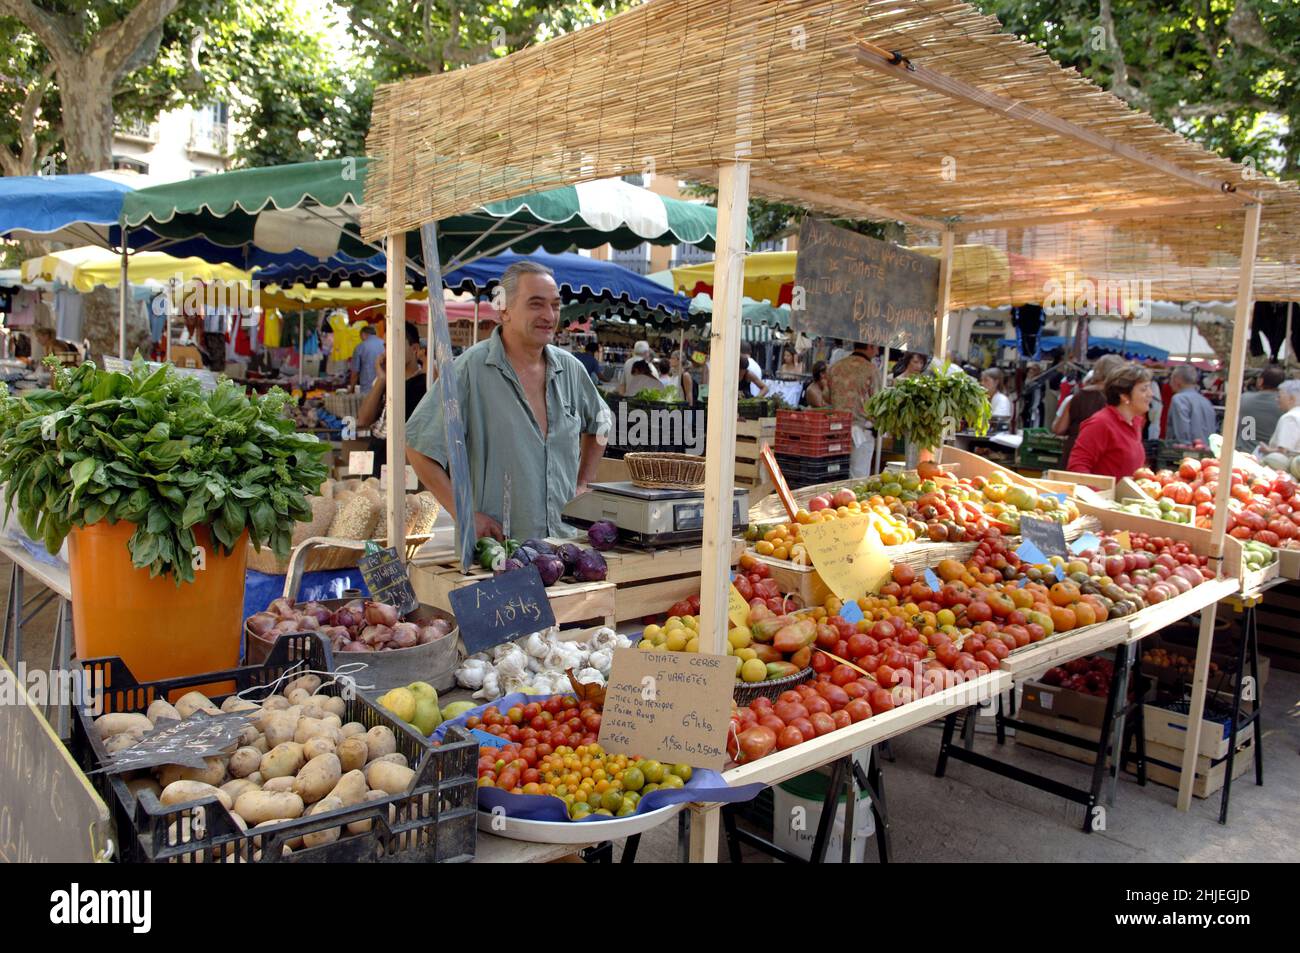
<point>23,314</point>
<point>346,336</point>
<point>271,329</point>
<point>69,315</point>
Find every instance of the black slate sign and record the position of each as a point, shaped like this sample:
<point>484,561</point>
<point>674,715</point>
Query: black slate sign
<point>862,289</point>
<point>1047,535</point>
<point>386,577</point>
<point>185,742</point>
<point>502,608</point>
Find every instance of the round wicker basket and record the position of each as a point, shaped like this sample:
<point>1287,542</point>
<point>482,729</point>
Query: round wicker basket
<point>666,471</point>
<point>746,692</point>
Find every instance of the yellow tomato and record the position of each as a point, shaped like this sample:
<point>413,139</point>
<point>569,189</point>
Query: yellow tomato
<point>764,547</point>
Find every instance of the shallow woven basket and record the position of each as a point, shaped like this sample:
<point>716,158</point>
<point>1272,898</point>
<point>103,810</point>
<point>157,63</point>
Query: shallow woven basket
<point>666,471</point>
<point>746,692</point>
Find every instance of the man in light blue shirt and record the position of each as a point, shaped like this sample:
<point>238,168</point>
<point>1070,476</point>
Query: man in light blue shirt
<point>363,359</point>
<point>1191,416</point>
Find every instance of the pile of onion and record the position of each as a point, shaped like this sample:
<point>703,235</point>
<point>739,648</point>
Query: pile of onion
<point>359,626</point>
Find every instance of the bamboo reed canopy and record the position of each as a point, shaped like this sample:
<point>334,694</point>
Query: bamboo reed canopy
<point>975,130</point>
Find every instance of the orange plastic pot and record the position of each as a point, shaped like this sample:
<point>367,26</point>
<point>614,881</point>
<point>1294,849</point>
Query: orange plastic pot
<point>160,629</point>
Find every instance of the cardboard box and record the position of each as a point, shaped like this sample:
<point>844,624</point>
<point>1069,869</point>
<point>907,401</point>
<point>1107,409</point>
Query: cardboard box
<point>1063,704</point>
<point>1169,728</point>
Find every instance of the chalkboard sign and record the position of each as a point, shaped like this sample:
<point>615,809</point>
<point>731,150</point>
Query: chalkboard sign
<point>502,608</point>
<point>48,810</point>
<point>385,575</point>
<point>1047,535</point>
<point>185,743</point>
<point>863,289</point>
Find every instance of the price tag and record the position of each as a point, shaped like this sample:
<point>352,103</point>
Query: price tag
<point>737,608</point>
<point>489,739</point>
<point>851,612</point>
<point>361,463</point>
<point>502,608</point>
<point>1122,538</point>
<point>386,577</point>
<point>932,580</point>
<point>185,742</point>
<point>848,556</point>
<point>1030,553</point>
<point>412,481</point>
<point>778,480</point>
<point>1085,542</point>
<point>670,706</point>
<point>1047,535</point>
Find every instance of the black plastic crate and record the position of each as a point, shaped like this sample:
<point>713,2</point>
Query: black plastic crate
<point>805,471</point>
<point>436,822</point>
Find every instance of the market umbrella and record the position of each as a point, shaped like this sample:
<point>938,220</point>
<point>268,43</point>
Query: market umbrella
<point>90,267</point>
<point>337,271</point>
<point>769,276</point>
<point>1130,348</point>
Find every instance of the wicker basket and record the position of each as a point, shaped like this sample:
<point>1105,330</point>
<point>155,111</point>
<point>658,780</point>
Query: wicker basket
<point>746,692</point>
<point>667,471</point>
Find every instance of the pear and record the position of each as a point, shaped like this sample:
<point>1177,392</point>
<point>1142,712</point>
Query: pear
<point>401,702</point>
<point>422,690</point>
<point>456,709</point>
<point>427,716</point>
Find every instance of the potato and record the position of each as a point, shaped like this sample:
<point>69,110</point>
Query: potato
<point>279,728</point>
<point>274,703</point>
<point>353,753</point>
<point>238,787</point>
<point>298,696</point>
<point>395,758</point>
<point>136,785</point>
<point>315,747</point>
<point>361,827</point>
<point>308,683</point>
<point>260,743</point>
<point>235,703</point>
<point>351,788</point>
<point>120,721</point>
<point>309,728</point>
<point>258,806</point>
<point>330,834</point>
<point>282,760</point>
<point>248,734</point>
<point>353,728</point>
<point>244,762</point>
<point>125,739</point>
<point>335,705</point>
<point>380,740</point>
<point>279,784</point>
<point>191,702</point>
<point>333,720</point>
<point>311,711</point>
<point>317,778</point>
<point>386,776</point>
<point>292,844</point>
<point>182,792</point>
<point>213,772</point>
<point>161,708</point>
<point>255,777</point>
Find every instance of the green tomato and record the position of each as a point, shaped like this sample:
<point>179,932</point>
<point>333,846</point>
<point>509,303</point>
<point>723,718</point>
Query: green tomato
<point>633,779</point>
<point>654,771</point>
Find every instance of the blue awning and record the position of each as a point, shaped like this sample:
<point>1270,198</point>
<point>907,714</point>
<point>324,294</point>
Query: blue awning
<point>1133,349</point>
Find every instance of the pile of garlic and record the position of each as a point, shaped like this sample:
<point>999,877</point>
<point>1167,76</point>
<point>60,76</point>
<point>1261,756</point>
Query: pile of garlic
<point>537,664</point>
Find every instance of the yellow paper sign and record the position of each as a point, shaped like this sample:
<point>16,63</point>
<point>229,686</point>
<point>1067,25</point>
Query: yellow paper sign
<point>848,555</point>
<point>1125,543</point>
<point>737,608</point>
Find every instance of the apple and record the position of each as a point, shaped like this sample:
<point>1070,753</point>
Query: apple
<point>843,498</point>
<point>818,503</point>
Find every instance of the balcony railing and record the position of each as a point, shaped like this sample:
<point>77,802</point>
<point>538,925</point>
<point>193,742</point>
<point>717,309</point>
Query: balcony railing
<point>210,137</point>
<point>137,129</point>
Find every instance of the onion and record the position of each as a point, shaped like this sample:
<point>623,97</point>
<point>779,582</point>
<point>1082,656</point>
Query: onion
<point>307,623</point>
<point>285,627</point>
<point>405,635</point>
<point>316,610</point>
<point>356,605</point>
<point>381,613</point>
<point>348,618</point>
<point>260,623</point>
<point>374,634</point>
<point>282,607</point>
<point>440,626</point>
<point>355,647</point>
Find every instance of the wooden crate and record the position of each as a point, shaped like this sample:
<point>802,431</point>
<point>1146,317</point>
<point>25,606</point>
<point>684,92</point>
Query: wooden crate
<point>1165,765</point>
<point>750,437</point>
<point>1086,733</point>
<point>649,581</point>
<point>1169,728</point>
<point>577,605</point>
<point>1103,486</point>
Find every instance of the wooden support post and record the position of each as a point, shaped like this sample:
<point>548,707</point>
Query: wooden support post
<point>720,468</point>
<point>1236,373</point>
<point>945,296</point>
<point>395,392</point>
<point>302,350</point>
<point>123,293</point>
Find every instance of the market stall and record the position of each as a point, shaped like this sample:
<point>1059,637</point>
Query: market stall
<point>742,141</point>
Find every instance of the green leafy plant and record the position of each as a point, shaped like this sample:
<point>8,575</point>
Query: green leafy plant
<point>150,447</point>
<point>922,408</point>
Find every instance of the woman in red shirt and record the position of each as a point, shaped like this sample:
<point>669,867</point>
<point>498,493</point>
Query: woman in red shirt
<point>1110,441</point>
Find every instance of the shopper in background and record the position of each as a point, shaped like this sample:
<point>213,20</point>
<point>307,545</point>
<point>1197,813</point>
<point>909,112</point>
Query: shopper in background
<point>817,392</point>
<point>1260,410</point>
<point>640,352</point>
<point>1110,441</point>
<point>910,364</point>
<point>852,382</point>
<point>682,376</point>
<point>1191,415</point>
<point>216,322</point>
<point>590,359</point>
<point>791,366</point>
<point>751,384</point>
<point>362,373</point>
<point>1286,435</point>
<point>838,351</point>
<point>753,366</point>
<point>1155,416</point>
<point>373,412</point>
<point>999,403</point>
<point>1085,401</point>
<point>643,377</point>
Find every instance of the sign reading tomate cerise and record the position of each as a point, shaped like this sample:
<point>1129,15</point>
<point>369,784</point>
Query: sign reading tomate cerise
<point>863,289</point>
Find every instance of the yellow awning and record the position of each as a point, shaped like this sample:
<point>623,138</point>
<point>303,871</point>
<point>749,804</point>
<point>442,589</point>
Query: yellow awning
<point>765,273</point>
<point>87,268</point>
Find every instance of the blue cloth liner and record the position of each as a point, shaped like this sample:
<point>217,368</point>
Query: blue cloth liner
<point>38,551</point>
<point>1086,541</point>
<point>491,740</point>
<point>1061,497</point>
<point>932,580</point>
<point>705,785</point>
<point>851,612</point>
<point>261,589</point>
<point>1060,573</point>
<point>1030,553</point>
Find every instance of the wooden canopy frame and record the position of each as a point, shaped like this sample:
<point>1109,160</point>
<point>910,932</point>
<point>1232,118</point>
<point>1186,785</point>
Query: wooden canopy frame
<point>851,108</point>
